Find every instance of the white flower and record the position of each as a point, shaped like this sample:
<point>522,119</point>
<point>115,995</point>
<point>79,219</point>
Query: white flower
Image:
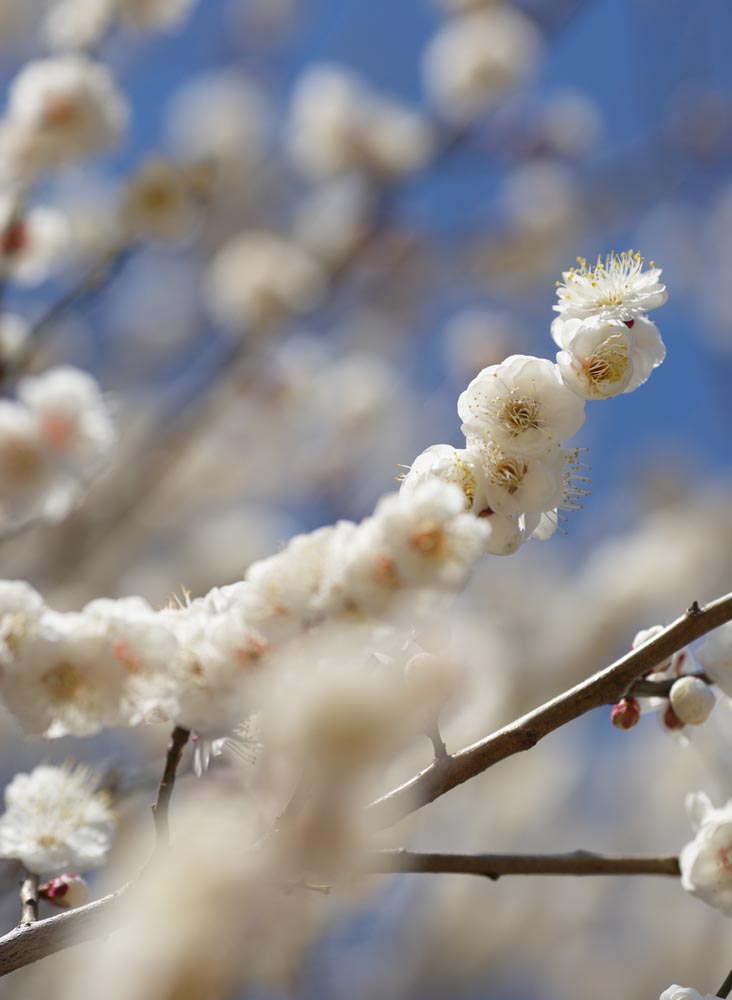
<point>258,278</point>
<point>715,656</point>
<point>70,107</point>
<point>73,419</point>
<point>157,204</point>
<point>339,124</point>
<point>603,358</point>
<point>26,475</point>
<point>461,466</point>
<point>521,484</point>
<point>154,15</point>
<point>332,219</point>
<point>429,535</point>
<point>63,678</point>
<point>56,821</point>
<point>692,700</point>
<point>78,24</point>
<point>615,288</point>
<point>706,862</point>
<point>683,993</point>
<point>14,334</point>
<point>20,608</point>
<point>522,405</point>
<point>475,60</point>
<point>32,244</point>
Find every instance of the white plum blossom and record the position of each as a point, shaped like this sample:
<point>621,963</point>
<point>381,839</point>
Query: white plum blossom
<point>715,656</point>
<point>522,405</point>
<point>338,123</point>
<point>258,278</point>
<point>56,821</point>
<point>601,358</point>
<point>75,25</point>
<point>462,466</point>
<point>69,107</point>
<point>676,992</point>
<point>616,288</point>
<point>476,60</point>
<point>520,484</point>
<point>157,204</point>
<point>32,243</point>
<point>26,476</point>
<point>706,862</point>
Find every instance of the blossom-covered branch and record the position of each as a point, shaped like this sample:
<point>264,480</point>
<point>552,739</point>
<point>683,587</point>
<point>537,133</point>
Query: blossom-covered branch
<point>604,688</point>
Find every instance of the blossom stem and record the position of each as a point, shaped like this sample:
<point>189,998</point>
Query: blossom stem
<point>178,740</point>
<point>606,687</point>
<point>660,689</point>
<point>29,899</point>
<point>495,866</point>
<point>726,988</point>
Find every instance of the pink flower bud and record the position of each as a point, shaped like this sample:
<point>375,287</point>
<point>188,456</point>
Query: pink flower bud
<point>66,891</point>
<point>625,714</point>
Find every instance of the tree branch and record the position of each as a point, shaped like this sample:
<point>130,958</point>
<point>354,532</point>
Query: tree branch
<point>726,987</point>
<point>178,740</point>
<point>29,899</point>
<point>604,688</point>
<point>495,866</point>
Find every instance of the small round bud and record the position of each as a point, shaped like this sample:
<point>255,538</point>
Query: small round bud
<point>66,891</point>
<point>670,720</point>
<point>692,700</point>
<point>625,714</point>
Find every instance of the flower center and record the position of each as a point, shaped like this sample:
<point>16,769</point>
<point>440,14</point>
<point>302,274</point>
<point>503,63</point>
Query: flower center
<point>519,414</point>
<point>609,362</point>
<point>508,474</point>
<point>428,538</point>
<point>63,682</point>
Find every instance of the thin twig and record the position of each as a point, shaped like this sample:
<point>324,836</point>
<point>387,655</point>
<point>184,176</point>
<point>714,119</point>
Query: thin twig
<point>662,689</point>
<point>178,740</point>
<point>495,866</point>
<point>29,899</point>
<point>604,688</point>
<point>726,987</point>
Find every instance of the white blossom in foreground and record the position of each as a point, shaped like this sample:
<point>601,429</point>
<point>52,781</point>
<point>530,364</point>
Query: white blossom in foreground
<point>684,993</point>
<point>715,656</point>
<point>616,288</point>
<point>461,466</point>
<point>56,821</point>
<point>257,278</point>
<point>522,405</point>
<point>475,60</point>
<point>157,204</point>
<point>706,862</point>
<point>339,124</point>
<point>603,358</point>
<point>68,107</point>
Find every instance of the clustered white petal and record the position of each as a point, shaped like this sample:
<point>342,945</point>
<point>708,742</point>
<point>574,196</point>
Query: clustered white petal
<point>706,862</point>
<point>55,821</point>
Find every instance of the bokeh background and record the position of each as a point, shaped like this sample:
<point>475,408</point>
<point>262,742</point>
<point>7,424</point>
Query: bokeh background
<point>233,442</point>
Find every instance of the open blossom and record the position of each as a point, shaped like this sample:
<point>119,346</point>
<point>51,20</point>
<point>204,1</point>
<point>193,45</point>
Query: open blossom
<point>26,476</point>
<point>475,60</point>
<point>158,204</point>
<point>520,484</point>
<point>55,821</point>
<point>258,278</point>
<point>69,106</point>
<point>339,124</point>
<point>706,862</point>
<point>522,405</point>
<point>461,466</point>
<point>715,656</point>
<point>616,288</point>
<point>601,358</point>
<point>32,243</point>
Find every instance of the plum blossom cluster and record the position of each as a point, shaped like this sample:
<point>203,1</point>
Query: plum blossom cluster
<point>55,437</point>
<point>514,470</point>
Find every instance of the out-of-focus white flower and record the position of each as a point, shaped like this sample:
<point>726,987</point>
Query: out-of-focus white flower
<point>692,700</point>
<point>616,288</point>
<point>522,405</point>
<point>32,244</point>
<point>339,124</point>
<point>69,107</point>
<point>78,24</point>
<point>14,334</point>
<point>154,15</point>
<point>477,337</point>
<point>332,219</point>
<point>55,820</point>
<point>706,862</point>
<point>684,993</point>
<point>604,358</point>
<point>433,541</point>
<point>570,122</point>
<point>258,278</point>
<point>715,656</point>
<point>475,60</point>
<point>157,203</point>
<point>20,608</point>
<point>540,197</point>
<point>25,472</point>
<point>462,466</point>
<point>73,418</point>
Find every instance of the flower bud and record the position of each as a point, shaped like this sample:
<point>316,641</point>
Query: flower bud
<point>431,679</point>
<point>66,891</point>
<point>625,714</point>
<point>692,700</point>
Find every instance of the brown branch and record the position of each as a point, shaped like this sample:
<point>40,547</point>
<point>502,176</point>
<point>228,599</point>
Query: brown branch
<point>726,987</point>
<point>29,899</point>
<point>178,740</point>
<point>495,866</point>
<point>604,688</point>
